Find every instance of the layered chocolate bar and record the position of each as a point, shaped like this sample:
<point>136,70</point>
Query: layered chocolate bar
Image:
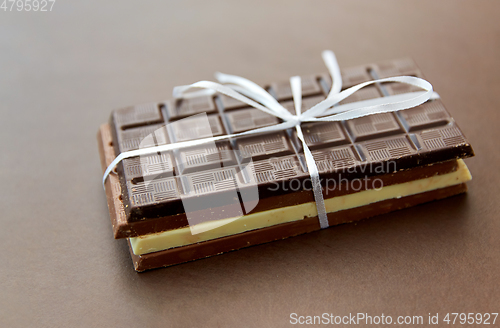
<point>368,166</point>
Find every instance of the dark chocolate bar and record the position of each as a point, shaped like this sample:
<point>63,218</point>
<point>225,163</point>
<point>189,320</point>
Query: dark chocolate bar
<point>151,188</point>
<point>122,228</point>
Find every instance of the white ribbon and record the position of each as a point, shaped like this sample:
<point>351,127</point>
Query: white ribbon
<point>251,94</point>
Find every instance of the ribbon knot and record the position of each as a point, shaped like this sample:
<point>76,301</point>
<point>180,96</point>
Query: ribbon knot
<point>329,109</point>
<point>295,119</point>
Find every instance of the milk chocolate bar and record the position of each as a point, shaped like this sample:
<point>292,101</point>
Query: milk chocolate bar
<point>407,148</point>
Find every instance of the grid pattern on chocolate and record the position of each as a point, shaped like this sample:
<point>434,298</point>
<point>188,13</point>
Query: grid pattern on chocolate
<point>138,115</point>
<point>369,127</point>
<point>141,137</point>
<point>397,67</point>
<point>354,75</point>
<point>310,87</point>
<point>190,106</point>
<point>204,157</point>
<point>153,191</point>
<point>195,127</point>
<point>366,93</point>
<point>249,119</point>
<point>265,146</point>
<point>163,177</point>
<point>153,164</point>
<point>320,135</point>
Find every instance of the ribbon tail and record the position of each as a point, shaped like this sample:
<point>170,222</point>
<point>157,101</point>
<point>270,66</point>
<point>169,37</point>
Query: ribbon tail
<point>295,83</point>
<point>315,181</point>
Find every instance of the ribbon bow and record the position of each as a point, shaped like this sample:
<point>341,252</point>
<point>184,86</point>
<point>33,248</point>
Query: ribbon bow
<point>252,94</point>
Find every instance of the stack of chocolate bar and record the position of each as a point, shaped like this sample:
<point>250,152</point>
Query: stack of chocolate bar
<point>368,166</point>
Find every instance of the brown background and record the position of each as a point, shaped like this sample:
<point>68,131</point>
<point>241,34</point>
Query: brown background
<point>62,72</point>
